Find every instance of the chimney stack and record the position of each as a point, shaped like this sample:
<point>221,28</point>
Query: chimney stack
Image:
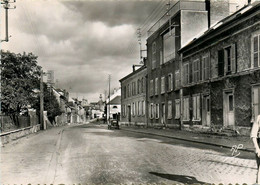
<point>133,68</point>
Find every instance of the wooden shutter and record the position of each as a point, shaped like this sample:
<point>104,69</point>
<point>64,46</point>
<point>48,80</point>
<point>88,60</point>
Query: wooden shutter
<point>221,62</point>
<point>200,70</point>
<point>255,51</point>
<point>233,58</point>
<point>194,107</point>
<point>198,107</point>
<point>207,66</point>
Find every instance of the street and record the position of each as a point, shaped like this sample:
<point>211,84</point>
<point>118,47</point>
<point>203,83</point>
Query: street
<point>91,153</point>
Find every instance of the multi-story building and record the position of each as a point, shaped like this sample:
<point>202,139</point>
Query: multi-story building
<point>221,74</point>
<point>133,99</point>
<point>183,21</point>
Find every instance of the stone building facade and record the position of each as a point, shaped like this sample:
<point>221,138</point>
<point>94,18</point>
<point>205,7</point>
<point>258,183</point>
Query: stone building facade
<point>184,21</point>
<point>133,97</point>
<point>220,73</point>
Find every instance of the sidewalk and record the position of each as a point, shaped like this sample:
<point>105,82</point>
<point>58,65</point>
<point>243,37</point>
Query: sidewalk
<point>204,138</point>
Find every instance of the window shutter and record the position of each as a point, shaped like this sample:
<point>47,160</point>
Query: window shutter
<point>207,72</point>
<point>233,58</point>
<point>198,107</point>
<point>200,70</point>
<point>194,107</point>
<point>190,72</point>
<point>221,62</point>
<point>255,51</point>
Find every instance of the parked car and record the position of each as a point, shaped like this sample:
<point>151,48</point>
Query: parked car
<point>113,123</point>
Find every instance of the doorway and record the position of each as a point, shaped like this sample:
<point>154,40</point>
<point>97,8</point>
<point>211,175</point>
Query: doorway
<point>206,111</point>
<point>229,118</point>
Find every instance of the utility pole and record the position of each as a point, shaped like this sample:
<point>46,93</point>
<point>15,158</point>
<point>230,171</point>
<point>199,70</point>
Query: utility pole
<point>43,124</point>
<point>109,78</point>
<point>6,6</point>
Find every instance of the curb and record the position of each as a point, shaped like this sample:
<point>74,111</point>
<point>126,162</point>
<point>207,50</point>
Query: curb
<point>189,140</point>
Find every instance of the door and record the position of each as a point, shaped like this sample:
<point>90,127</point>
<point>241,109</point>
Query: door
<point>163,114</point>
<point>206,111</point>
<point>256,98</point>
<point>229,119</point>
<point>129,113</point>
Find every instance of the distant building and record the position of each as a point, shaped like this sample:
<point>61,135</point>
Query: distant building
<point>133,98</point>
<point>113,105</point>
<point>50,78</point>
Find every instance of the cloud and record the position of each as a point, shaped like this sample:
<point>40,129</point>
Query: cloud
<point>113,12</point>
<point>82,41</point>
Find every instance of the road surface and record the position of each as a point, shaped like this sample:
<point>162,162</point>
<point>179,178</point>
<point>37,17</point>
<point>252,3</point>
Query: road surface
<point>91,153</point>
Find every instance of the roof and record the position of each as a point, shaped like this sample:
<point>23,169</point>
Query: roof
<point>116,100</point>
<point>221,24</point>
<point>134,72</point>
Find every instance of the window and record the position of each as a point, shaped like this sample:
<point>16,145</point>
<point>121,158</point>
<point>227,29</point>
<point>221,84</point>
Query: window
<point>231,103</point>
<point>170,82</point>
<point>151,87</point>
<point>138,86</point>
<point>114,107</point>
<point>177,79</point>
<point>196,71</point>
<point>156,111</point>
<point>136,108</point>
<point>177,109</point>
<point>196,107</point>
<point>162,85</point>
<point>161,57</point>
<point>169,109</point>
<point>256,51</point>
<point>133,108</point>
<point>151,110</point>
<point>156,86</point>
<point>128,90</point>
<point>143,113</point>
<point>186,109</point>
<point>205,68</point>
<point>169,46</point>
<point>227,60</point>
<point>220,63</point>
<point>154,55</point>
<point>230,59</point>
<point>186,73</point>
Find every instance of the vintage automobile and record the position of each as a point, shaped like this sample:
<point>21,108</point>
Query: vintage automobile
<point>113,123</point>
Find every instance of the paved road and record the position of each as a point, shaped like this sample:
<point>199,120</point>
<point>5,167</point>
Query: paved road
<point>93,154</point>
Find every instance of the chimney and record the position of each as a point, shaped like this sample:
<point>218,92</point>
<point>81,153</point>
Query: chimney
<point>208,9</point>
<point>249,1</point>
<point>133,68</point>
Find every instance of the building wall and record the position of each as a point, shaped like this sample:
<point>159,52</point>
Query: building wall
<point>128,100</point>
<point>240,82</point>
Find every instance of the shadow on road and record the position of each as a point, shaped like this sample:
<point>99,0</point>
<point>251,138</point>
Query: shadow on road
<point>179,178</point>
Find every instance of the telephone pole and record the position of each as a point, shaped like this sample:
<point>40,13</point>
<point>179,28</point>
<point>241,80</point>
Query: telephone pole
<point>6,6</point>
<point>109,78</point>
<point>43,125</point>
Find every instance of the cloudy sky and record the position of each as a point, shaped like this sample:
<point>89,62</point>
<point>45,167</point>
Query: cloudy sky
<point>82,41</point>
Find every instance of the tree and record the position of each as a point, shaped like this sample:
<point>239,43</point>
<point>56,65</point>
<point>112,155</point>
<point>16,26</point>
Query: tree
<point>21,84</point>
<point>20,77</point>
<point>51,104</point>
